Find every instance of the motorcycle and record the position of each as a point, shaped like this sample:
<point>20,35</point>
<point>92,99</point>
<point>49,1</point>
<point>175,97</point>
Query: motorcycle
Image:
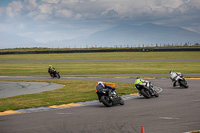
<point>147,91</point>
<point>181,81</point>
<point>109,97</point>
<point>54,74</point>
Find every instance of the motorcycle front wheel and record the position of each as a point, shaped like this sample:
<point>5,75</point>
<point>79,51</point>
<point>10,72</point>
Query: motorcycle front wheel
<point>184,84</point>
<point>156,94</point>
<point>145,93</point>
<point>57,75</point>
<point>106,101</point>
<point>121,101</point>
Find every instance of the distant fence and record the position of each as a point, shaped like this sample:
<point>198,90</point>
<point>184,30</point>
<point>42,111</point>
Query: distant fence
<point>106,50</point>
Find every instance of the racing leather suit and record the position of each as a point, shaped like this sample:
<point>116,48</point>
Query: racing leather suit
<point>99,87</point>
<point>174,77</point>
<point>144,83</point>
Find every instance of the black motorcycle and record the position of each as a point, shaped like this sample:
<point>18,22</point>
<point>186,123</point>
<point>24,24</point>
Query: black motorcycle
<point>147,91</point>
<point>55,74</point>
<point>109,97</point>
<point>181,82</point>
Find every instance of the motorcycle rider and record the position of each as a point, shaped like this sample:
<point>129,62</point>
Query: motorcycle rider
<point>101,85</point>
<point>174,76</point>
<point>51,69</point>
<point>144,83</point>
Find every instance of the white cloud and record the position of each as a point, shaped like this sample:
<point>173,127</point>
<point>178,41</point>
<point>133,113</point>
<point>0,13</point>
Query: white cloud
<point>32,14</point>
<point>189,6</point>
<point>30,5</point>
<point>50,1</point>
<point>64,13</point>
<point>9,12</point>
<point>69,2</point>
<point>195,3</point>
<point>135,8</point>
<point>16,6</point>
<point>78,16</point>
<point>22,26</point>
<point>95,9</point>
<point>40,17</point>
<point>45,8</point>
<point>13,9</point>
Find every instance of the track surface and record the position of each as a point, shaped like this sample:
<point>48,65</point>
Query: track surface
<point>9,89</point>
<point>175,111</point>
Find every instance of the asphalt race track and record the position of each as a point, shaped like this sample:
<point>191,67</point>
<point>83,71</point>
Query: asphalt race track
<point>176,110</point>
<point>8,89</point>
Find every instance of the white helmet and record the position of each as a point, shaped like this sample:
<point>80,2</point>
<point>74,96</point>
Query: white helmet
<point>171,72</point>
<point>101,83</point>
<point>50,65</point>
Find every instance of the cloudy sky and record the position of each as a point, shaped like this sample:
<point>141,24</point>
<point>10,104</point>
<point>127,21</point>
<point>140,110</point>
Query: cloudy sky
<point>50,20</point>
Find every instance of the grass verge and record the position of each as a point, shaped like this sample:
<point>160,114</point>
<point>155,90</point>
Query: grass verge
<point>103,56</point>
<point>195,132</point>
<point>73,91</point>
<point>81,68</point>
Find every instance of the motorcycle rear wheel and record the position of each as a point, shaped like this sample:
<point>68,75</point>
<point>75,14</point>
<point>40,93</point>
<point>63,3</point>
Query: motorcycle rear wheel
<point>106,101</point>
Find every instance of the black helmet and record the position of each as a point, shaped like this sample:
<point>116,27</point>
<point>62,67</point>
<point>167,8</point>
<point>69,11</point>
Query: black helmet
<point>138,78</point>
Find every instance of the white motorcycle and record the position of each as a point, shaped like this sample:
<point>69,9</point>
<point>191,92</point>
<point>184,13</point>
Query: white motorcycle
<point>178,80</point>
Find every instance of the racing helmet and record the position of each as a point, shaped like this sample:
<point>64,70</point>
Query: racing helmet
<point>171,72</point>
<point>101,83</point>
<point>50,65</point>
<point>138,77</point>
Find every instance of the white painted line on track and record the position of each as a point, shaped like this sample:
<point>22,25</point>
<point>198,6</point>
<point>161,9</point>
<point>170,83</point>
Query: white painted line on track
<point>169,118</point>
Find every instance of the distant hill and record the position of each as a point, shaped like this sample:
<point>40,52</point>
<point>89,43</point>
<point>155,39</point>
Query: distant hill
<point>123,35</point>
<point>140,34</point>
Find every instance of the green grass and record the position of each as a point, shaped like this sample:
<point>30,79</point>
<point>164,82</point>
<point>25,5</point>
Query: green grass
<point>73,91</point>
<point>195,132</point>
<point>103,56</point>
<point>81,68</point>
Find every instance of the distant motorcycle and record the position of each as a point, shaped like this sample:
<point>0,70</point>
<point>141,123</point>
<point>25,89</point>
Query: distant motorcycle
<point>109,97</point>
<point>55,74</point>
<point>147,91</point>
<point>180,81</point>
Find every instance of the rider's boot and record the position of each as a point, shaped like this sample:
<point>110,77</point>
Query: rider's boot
<point>174,85</point>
